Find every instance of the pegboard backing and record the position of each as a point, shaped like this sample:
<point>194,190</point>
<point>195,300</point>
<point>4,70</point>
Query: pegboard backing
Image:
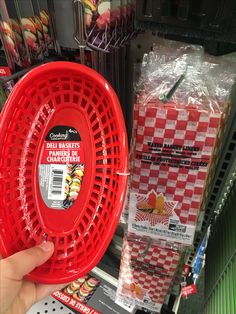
<point>49,306</point>
<point>140,45</point>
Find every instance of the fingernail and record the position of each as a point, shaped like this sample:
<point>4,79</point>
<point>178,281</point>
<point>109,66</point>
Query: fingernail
<point>46,246</point>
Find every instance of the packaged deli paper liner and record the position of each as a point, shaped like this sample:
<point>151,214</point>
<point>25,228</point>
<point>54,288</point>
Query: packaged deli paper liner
<point>170,155</point>
<point>146,272</point>
<point>181,110</point>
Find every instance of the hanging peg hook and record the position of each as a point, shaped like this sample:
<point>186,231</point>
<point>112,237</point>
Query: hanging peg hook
<point>80,31</point>
<point>166,98</point>
<point>144,253</point>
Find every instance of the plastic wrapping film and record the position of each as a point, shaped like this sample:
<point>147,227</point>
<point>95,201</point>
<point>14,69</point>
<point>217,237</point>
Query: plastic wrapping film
<point>222,70</point>
<point>181,103</point>
<point>146,272</point>
<point>208,76</point>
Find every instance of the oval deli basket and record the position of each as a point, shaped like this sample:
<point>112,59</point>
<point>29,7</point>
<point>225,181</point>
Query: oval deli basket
<point>63,168</point>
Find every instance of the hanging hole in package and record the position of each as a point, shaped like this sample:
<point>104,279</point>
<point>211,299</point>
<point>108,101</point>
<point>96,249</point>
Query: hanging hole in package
<point>182,96</point>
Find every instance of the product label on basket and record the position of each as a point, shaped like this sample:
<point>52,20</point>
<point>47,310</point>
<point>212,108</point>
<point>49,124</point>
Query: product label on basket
<point>155,216</point>
<point>61,167</point>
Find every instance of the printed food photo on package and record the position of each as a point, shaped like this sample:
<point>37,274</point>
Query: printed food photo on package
<point>82,289</point>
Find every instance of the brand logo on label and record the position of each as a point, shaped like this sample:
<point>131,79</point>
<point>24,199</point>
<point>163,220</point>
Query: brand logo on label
<point>58,136</point>
<point>73,131</point>
<point>2,71</point>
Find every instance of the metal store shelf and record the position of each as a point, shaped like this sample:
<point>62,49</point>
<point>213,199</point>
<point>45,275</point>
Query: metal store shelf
<point>221,179</point>
<point>220,283</point>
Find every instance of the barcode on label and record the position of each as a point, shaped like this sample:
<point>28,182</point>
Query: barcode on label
<point>125,303</point>
<point>56,182</point>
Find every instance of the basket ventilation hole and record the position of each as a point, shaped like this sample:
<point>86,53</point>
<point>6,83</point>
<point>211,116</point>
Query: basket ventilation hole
<point>83,103</point>
<point>69,238</point>
<point>86,238</point>
<point>86,92</point>
<point>76,99</point>
<point>45,236</point>
<point>58,99</point>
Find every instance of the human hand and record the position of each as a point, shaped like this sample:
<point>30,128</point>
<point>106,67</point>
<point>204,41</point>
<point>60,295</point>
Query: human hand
<point>17,294</point>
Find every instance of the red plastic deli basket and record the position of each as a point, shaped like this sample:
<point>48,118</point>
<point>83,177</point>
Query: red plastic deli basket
<point>63,168</point>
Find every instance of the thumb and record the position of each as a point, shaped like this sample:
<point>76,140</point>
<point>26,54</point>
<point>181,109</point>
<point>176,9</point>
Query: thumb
<point>22,263</point>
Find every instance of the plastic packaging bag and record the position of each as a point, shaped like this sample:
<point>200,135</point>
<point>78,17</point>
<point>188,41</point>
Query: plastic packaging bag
<point>181,102</point>
<point>146,271</point>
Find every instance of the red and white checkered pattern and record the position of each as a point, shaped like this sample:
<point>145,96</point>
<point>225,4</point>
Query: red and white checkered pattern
<point>136,269</point>
<point>152,218</point>
<point>167,125</point>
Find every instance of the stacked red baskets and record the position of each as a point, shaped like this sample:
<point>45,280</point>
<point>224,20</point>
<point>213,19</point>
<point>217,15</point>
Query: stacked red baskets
<point>63,164</point>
